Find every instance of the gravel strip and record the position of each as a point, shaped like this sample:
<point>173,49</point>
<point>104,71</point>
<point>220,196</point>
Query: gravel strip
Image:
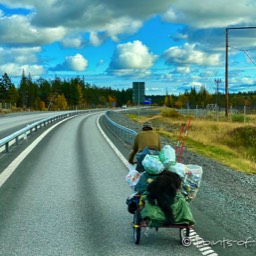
<point>230,195</point>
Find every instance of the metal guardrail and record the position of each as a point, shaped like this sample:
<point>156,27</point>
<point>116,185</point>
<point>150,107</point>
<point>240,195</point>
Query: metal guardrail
<point>126,134</point>
<point>22,134</point>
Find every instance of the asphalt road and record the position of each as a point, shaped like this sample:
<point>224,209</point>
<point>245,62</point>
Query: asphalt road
<point>10,123</point>
<point>67,197</point>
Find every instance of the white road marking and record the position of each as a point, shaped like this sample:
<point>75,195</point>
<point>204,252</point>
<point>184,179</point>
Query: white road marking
<point>118,153</point>
<point>193,235</point>
<point>8,171</point>
<point>15,163</point>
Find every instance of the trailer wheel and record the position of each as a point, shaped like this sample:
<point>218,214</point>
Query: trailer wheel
<point>136,227</point>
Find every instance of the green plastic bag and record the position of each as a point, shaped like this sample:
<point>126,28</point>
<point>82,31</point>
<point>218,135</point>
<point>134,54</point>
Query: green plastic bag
<point>181,211</point>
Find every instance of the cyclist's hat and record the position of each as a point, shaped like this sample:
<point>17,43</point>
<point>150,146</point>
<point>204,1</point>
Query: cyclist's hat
<point>147,125</point>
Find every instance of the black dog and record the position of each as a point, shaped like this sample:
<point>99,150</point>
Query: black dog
<point>163,190</point>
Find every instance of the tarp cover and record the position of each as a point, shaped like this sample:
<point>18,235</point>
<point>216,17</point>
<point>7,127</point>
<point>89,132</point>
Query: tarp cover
<point>180,208</point>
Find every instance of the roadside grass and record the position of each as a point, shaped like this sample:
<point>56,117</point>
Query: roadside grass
<point>230,143</point>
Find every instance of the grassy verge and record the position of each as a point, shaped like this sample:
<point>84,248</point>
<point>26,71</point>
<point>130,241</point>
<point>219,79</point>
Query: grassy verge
<point>232,144</point>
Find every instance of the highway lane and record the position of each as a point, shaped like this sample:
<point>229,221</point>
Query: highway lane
<point>67,197</point>
<point>10,123</point>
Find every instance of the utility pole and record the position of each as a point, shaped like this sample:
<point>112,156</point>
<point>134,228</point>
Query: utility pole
<point>226,65</point>
<point>226,76</point>
<point>139,105</point>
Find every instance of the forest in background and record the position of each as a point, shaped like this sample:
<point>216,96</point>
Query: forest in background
<point>75,93</point>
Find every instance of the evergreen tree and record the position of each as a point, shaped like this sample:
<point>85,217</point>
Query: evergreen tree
<point>32,92</point>
<point>5,83</point>
<point>77,93</point>
<point>193,99</point>
<point>23,91</point>
<point>204,97</point>
<point>44,89</point>
<point>13,95</point>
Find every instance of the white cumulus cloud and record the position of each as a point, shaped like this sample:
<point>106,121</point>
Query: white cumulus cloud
<point>132,55</point>
<point>76,63</point>
<point>209,14</point>
<point>188,54</point>
<point>73,42</point>
<point>132,59</point>
<point>183,70</point>
<point>13,69</point>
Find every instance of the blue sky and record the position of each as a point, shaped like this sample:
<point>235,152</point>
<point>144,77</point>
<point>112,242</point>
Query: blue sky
<point>171,45</point>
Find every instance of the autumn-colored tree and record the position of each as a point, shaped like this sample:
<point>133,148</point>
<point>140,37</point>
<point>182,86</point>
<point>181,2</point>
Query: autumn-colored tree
<point>52,101</point>
<point>169,101</point>
<point>183,99</point>
<point>37,104</point>
<point>178,104</point>
<point>61,103</point>
<point>81,100</point>
<point>129,103</point>
<point>247,101</point>
<point>43,94</point>
<point>112,101</point>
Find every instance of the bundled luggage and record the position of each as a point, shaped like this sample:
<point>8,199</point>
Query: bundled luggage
<point>154,164</point>
<point>191,176</point>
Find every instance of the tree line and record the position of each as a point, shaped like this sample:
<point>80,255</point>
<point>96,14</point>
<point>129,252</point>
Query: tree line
<point>202,98</point>
<point>75,93</point>
<point>59,94</point>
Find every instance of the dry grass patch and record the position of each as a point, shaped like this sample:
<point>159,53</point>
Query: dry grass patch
<point>217,141</point>
<point>222,141</point>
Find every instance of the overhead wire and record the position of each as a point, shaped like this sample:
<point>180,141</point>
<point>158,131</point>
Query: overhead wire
<point>245,52</point>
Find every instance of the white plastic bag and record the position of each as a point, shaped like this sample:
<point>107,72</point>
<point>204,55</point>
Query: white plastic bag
<point>167,156</point>
<point>152,164</point>
<point>133,176</point>
<point>180,169</point>
<point>192,181</point>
